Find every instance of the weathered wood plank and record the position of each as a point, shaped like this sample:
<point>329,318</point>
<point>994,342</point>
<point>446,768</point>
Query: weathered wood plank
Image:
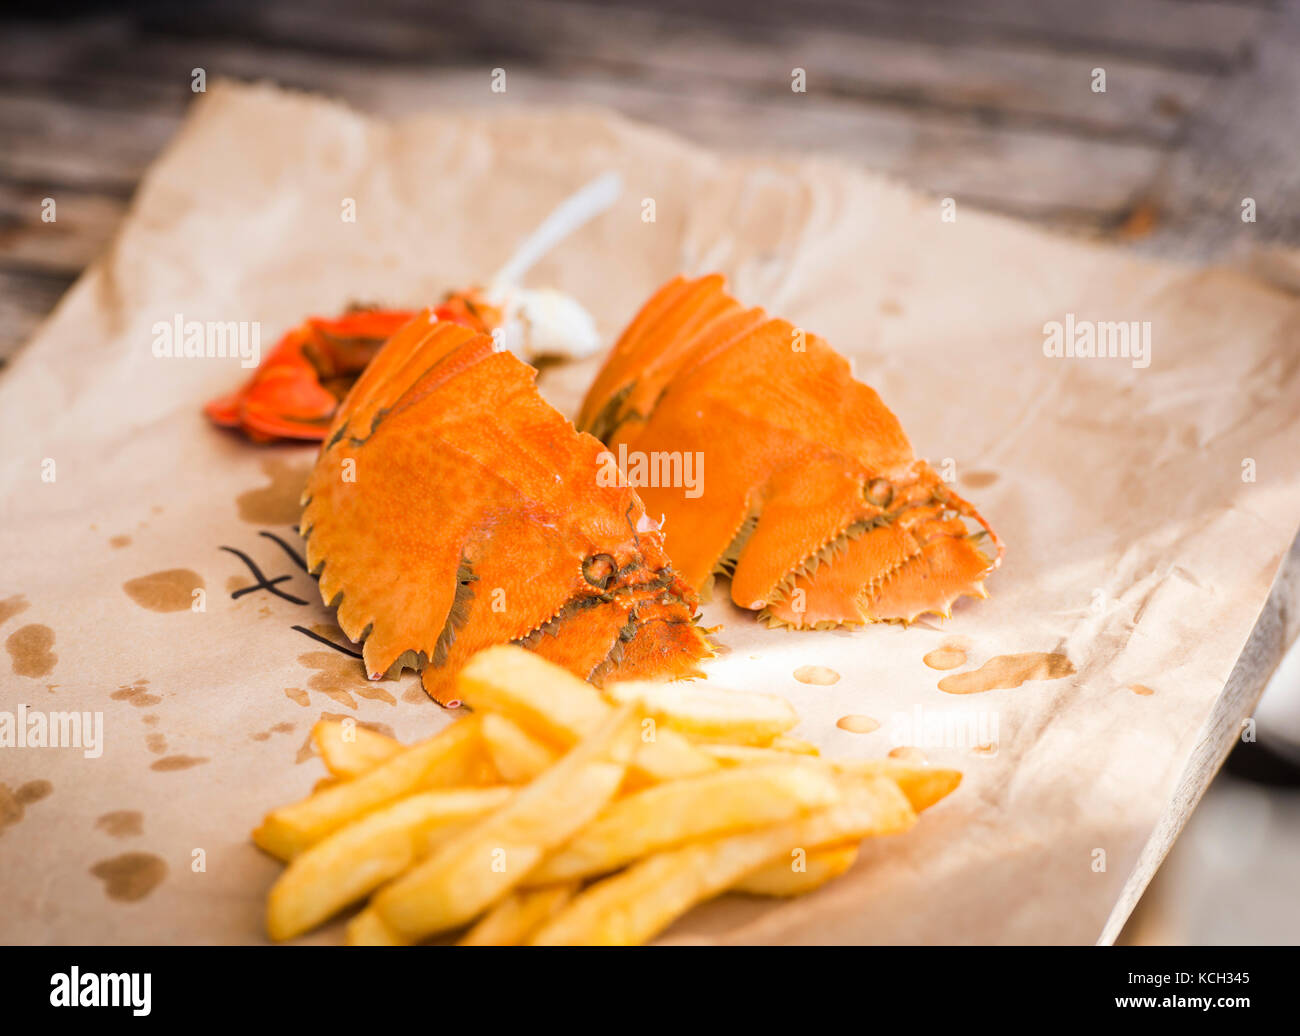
<point>1207,36</point>
<point>1241,144</point>
<point>48,140</point>
<point>83,224</point>
<point>1050,175</point>
<point>26,298</point>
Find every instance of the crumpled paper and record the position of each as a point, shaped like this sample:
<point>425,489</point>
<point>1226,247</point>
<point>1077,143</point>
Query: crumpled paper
<point>1145,509</point>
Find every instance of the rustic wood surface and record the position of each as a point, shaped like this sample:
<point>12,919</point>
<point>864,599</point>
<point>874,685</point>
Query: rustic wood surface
<point>989,101</point>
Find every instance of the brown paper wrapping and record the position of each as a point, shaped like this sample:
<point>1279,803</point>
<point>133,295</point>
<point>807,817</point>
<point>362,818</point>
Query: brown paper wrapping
<point>1135,546</point>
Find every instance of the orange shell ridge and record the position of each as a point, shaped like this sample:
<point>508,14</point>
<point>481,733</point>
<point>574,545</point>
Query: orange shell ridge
<point>452,508</point>
<point>807,492</point>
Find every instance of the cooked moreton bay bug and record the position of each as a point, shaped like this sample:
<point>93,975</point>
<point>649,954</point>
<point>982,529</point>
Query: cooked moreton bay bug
<point>295,392</point>
<point>816,506</point>
<point>452,508</point>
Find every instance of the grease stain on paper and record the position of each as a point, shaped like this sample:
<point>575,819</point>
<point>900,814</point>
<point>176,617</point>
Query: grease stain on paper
<point>339,677</point>
<point>416,695</point>
<point>279,728</point>
<point>136,694</point>
<point>951,654</point>
<point>121,823</point>
<point>31,650</point>
<point>14,803</point>
<point>118,542</point>
<point>156,743</point>
<point>178,762</point>
<point>818,675</point>
<point>170,590</point>
<point>1004,672</point>
<point>277,503</point>
<point>1141,689</point>
<point>131,876</point>
<point>909,754</point>
<point>11,606</point>
<point>858,724</point>
<point>979,479</point>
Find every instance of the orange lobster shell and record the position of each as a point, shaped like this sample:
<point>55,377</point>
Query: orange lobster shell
<point>295,391</point>
<point>452,508</point>
<point>813,501</point>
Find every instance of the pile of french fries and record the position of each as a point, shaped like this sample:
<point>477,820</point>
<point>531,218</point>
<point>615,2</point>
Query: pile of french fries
<point>555,814</point>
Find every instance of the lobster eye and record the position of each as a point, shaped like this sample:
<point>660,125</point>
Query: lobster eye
<point>879,492</point>
<point>598,570</point>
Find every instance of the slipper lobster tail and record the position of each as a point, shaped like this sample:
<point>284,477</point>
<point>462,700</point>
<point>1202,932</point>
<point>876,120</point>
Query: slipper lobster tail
<point>814,505</point>
<point>452,508</point>
<point>295,392</point>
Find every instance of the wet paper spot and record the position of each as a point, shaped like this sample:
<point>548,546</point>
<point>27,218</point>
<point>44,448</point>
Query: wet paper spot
<point>819,675</point>
<point>416,695</point>
<point>890,308</point>
<point>136,694</point>
<point>858,724</point>
<point>979,479</point>
<point>156,743</point>
<point>170,590</point>
<point>945,658</point>
<point>149,720</point>
<point>118,542</point>
<point>11,810</point>
<point>298,695</point>
<point>13,804</point>
<point>121,823</point>
<point>1007,671</point>
<point>178,762</point>
<point>339,677</point>
<point>131,876</point>
<point>234,583</point>
<point>1142,689</point>
<point>277,503</point>
<point>33,791</point>
<point>30,650</point>
<point>279,728</point>
<point>11,606</point>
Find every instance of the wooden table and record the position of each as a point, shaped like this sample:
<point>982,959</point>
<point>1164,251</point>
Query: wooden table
<point>987,101</point>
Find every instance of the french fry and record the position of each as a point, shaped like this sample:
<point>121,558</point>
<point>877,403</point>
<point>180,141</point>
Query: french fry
<point>638,903</point>
<point>708,713</point>
<point>517,755</point>
<point>453,756</point>
<point>554,705</point>
<point>667,794</point>
<point>923,785</point>
<point>779,878</point>
<point>797,745</point>
<point>514,920</point>
<point>666,815</point>
<point>351,750</point>
<point>359,857</point>
<point>369,929</point>
<point>477,868</point>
